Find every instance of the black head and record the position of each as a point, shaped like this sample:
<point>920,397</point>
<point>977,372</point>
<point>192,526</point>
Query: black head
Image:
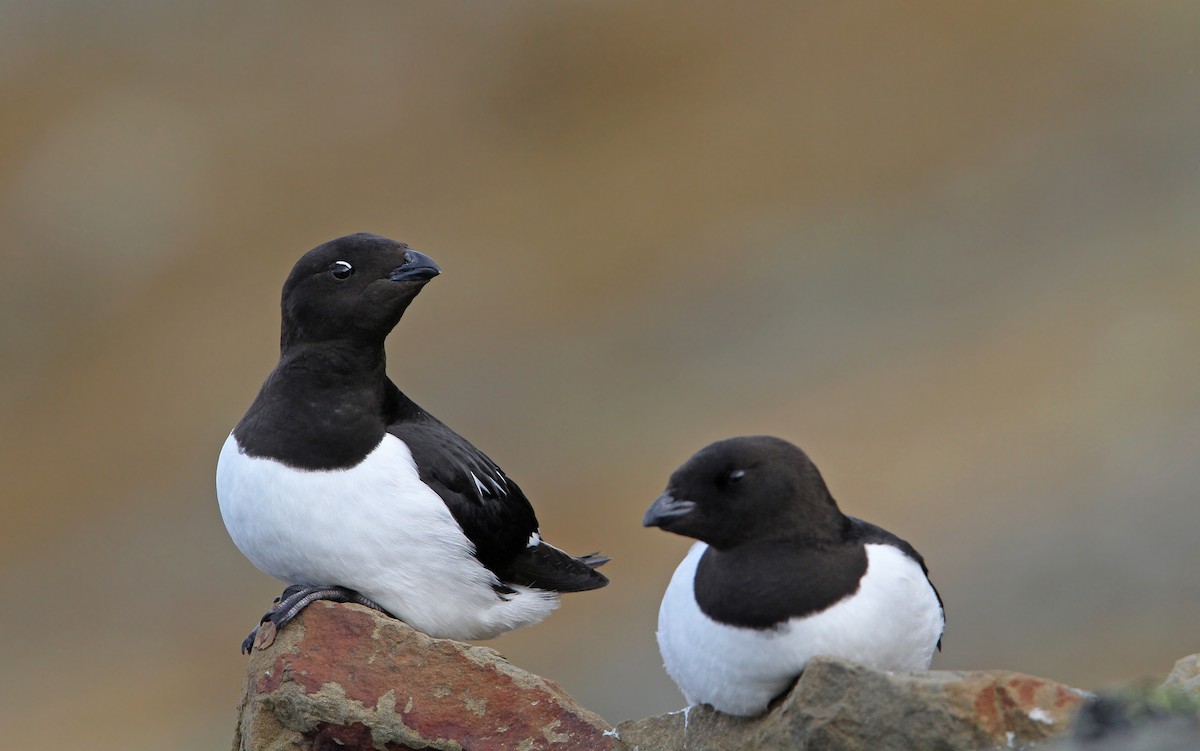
<point>743,489</point>
<point>353,288</point>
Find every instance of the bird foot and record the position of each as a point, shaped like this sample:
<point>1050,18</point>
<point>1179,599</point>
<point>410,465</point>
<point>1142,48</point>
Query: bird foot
<point>289,604</point>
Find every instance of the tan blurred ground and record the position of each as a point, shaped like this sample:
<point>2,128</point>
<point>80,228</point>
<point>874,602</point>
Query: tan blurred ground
<point>950,249</point>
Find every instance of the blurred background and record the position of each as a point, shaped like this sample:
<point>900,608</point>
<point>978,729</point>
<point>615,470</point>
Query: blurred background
<point>950,249</point>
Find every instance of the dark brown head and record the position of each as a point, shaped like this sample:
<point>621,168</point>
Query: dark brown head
<point>743,489</point>
<point>353,288</point>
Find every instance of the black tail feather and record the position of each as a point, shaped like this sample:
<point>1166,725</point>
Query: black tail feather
<point>546,567</point>
<point>594,560</point>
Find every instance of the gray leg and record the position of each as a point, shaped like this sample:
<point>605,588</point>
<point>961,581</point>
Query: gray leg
<point>289,604</point>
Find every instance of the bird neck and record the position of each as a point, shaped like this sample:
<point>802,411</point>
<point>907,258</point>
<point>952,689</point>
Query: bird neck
<point>322,407</point>
<point>338,362</point>
<point>349,375</point>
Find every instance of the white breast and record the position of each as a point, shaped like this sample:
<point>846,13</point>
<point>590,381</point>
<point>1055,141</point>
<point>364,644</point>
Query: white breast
<point>893,622</point>
<point>375,528</point>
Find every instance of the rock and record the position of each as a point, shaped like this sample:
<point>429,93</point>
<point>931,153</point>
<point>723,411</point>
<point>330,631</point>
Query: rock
<point>841,706</point>
<point>1186,675</point>
<point>1142,717</point>
<point>347,677</point>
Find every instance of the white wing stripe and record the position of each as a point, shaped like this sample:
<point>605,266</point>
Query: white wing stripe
<point>479,485</point>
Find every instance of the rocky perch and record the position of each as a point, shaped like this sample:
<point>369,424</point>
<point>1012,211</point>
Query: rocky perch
<point>346,677</point>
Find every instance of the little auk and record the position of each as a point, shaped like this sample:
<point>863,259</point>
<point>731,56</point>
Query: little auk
<point>339,485</point>
<point>779,575</point>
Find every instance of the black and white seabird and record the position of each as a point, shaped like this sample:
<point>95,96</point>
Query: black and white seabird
<point>336,483</point>
<point>778,576</point>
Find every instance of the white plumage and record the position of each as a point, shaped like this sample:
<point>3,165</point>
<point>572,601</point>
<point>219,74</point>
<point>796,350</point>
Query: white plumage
<point>375,528</point>
<point>893,622</point>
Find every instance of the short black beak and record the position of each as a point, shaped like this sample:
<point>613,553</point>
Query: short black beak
<point>665,508</point>
<point>417,267</point>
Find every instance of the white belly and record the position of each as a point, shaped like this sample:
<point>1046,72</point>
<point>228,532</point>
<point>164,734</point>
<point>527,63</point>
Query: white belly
<point>375,528</point>
<point>893,622</point>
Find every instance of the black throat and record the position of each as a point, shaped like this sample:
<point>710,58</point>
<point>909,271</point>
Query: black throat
<point>324,406</point>
<point>763,585</point>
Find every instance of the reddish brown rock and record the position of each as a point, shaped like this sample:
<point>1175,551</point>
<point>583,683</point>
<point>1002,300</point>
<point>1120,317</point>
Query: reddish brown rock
<point>346,677</point>
<point>1141,716</point>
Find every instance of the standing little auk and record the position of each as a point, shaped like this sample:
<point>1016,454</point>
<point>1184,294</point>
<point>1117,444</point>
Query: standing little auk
<point>339,485</point>
<point>778,576</point>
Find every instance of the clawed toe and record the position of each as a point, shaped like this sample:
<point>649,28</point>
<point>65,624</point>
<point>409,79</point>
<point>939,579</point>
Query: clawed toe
<point>288,605</point>
<point>248,642</point>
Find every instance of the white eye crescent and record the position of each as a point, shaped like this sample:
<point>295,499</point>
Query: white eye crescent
<point>341,270</point>
<point>736,475</point>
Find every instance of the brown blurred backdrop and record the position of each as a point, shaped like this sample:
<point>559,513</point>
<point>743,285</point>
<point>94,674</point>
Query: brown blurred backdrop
<point>948,248</point>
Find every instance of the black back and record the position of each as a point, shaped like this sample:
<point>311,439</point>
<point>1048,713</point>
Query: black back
<point>490,508</point>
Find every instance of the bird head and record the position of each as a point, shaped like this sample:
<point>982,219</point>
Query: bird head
<point>355,288</point>
<point>743,489</point>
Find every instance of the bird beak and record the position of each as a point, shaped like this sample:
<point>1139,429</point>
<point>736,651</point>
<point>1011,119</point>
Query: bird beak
<point>417,267</point>
<point>665,508</point>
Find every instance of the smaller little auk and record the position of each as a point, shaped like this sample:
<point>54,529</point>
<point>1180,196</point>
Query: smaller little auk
<point>338,484</point>
<point>780,575</point>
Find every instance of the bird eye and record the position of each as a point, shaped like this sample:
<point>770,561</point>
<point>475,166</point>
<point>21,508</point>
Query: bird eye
<point>735,475</point>
<point>341,270</point>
